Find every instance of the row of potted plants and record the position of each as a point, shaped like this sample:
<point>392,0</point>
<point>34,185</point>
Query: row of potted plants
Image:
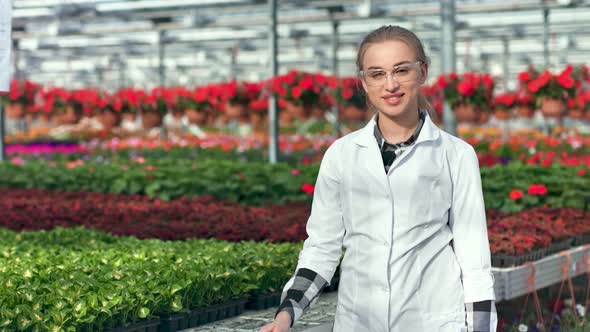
<point>262,183</point>
<point>511,234</point>
<point>532,234</point>
<point>301,94</point>
<point>513,145</point>
<point>81,280</point>
<point>144,217</point>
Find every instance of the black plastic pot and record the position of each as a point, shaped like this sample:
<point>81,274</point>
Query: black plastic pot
<point>194,317</point>
<point>515,260</point>
<point>263,301</point>
<point>173,322</point>
<point>582,239</point>
<point>560,246</point>
<point>140,326</point>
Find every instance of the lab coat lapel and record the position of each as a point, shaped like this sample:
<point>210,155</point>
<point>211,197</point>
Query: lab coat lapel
<point>371,155</point>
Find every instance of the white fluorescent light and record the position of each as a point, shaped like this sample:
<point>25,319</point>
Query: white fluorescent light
<point>207,34</point>
<point>41,3</point>
<point>148,4</point>
<point>33,12</point>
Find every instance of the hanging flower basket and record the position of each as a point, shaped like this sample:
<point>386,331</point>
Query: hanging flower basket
<point>504,105</point>
<point>576,113</point>
<point>235,110</point>
<point>110,119</point>
<point>352,113</point>
<point>503,113</point>
<point>298,111</point>
<point>552,107</point>
<point>465,113</point>
<point>525,111</point>
<point>151,119</point>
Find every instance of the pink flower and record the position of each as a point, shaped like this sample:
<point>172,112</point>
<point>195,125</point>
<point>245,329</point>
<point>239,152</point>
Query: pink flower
<point>17,161</point>
<point>295,172</point>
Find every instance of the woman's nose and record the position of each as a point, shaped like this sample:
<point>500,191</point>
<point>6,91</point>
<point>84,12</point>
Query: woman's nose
<point>391,83</point>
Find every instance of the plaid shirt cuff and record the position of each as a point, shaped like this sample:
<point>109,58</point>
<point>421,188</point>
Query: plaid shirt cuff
<point>300,293</point>
<point>481,316</point>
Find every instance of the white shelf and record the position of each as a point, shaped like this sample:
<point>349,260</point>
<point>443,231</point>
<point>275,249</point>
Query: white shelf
<point>512,282</point>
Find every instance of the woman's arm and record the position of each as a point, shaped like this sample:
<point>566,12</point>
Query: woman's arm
<point>322,249</point>
<point>481,316</point>
<point>301,293</point>
<point>467,221</point>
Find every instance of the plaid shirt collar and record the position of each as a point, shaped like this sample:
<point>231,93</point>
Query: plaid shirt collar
<point>383,144</point>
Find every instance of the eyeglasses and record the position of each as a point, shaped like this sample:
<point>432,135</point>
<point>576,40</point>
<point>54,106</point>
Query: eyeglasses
<point>402,73</point>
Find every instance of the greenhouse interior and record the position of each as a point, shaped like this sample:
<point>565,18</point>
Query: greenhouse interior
<point>169,165</point>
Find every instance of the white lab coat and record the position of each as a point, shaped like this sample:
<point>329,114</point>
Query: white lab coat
<point>400,272</point>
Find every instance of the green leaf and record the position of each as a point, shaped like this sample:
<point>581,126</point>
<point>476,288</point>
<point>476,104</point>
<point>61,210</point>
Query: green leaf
<point>144,312</point>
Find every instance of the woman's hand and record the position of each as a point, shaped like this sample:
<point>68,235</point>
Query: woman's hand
<point>281,324</point>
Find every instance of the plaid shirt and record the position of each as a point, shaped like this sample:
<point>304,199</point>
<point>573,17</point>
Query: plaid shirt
<point>305,287</point>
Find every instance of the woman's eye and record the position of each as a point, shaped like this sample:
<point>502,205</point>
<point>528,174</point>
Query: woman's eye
<point>402,71</point>
<point>377,75</point>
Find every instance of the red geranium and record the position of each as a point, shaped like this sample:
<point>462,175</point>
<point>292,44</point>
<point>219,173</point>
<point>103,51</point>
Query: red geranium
<point>471,88</point>
<point>515,194</point>
<point>505,100</point>
<point>307,188</point>
<point>547,84</point>
<point>537,190</point>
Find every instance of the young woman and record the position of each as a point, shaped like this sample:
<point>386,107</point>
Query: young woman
<point>404,199</point>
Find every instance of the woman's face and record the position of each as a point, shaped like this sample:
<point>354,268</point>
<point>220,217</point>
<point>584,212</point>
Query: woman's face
<point>391,97</point>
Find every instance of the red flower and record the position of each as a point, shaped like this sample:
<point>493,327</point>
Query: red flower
<point>441,83</point>
<point>565,81</point>
<point>515,194</point>
<point>296,92</point>
<point>346,93</point>
<point>524,77</point>
<point>466,88</point>
<point>537,190</point>
<point>581,172</point>
<point>307,188</point>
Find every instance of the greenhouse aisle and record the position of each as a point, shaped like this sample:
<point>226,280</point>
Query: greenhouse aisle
<point>318,319</point>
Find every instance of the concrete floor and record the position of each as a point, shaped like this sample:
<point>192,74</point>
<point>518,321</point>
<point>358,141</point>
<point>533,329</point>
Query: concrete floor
<point>320,318</point>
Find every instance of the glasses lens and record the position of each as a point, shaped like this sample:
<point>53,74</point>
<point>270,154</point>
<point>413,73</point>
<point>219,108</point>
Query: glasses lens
<point>402,73</point>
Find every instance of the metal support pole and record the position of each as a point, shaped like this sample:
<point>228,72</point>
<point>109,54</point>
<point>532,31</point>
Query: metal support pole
<point>447,12</point>
<point>273,128</point>
<point>161,55</point>
<point>16,51</point>
<point>335,45</point>
<point>546,37</point>
<point>5,51</point>
<point>122,73</point>
<point>505,61</point>
<point>2,133</point>
<point>233,58</point>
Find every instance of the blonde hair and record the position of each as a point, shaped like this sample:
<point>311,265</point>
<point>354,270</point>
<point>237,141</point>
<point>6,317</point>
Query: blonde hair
<point>391,32</point>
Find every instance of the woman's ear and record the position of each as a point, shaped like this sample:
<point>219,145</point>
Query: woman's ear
<point>364,85</point>
<point>424,72</point>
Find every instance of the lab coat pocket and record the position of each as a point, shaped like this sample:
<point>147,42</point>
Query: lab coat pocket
<point>430,200</point>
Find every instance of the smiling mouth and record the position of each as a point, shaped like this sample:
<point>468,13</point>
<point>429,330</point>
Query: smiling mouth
<point>393,99</point>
